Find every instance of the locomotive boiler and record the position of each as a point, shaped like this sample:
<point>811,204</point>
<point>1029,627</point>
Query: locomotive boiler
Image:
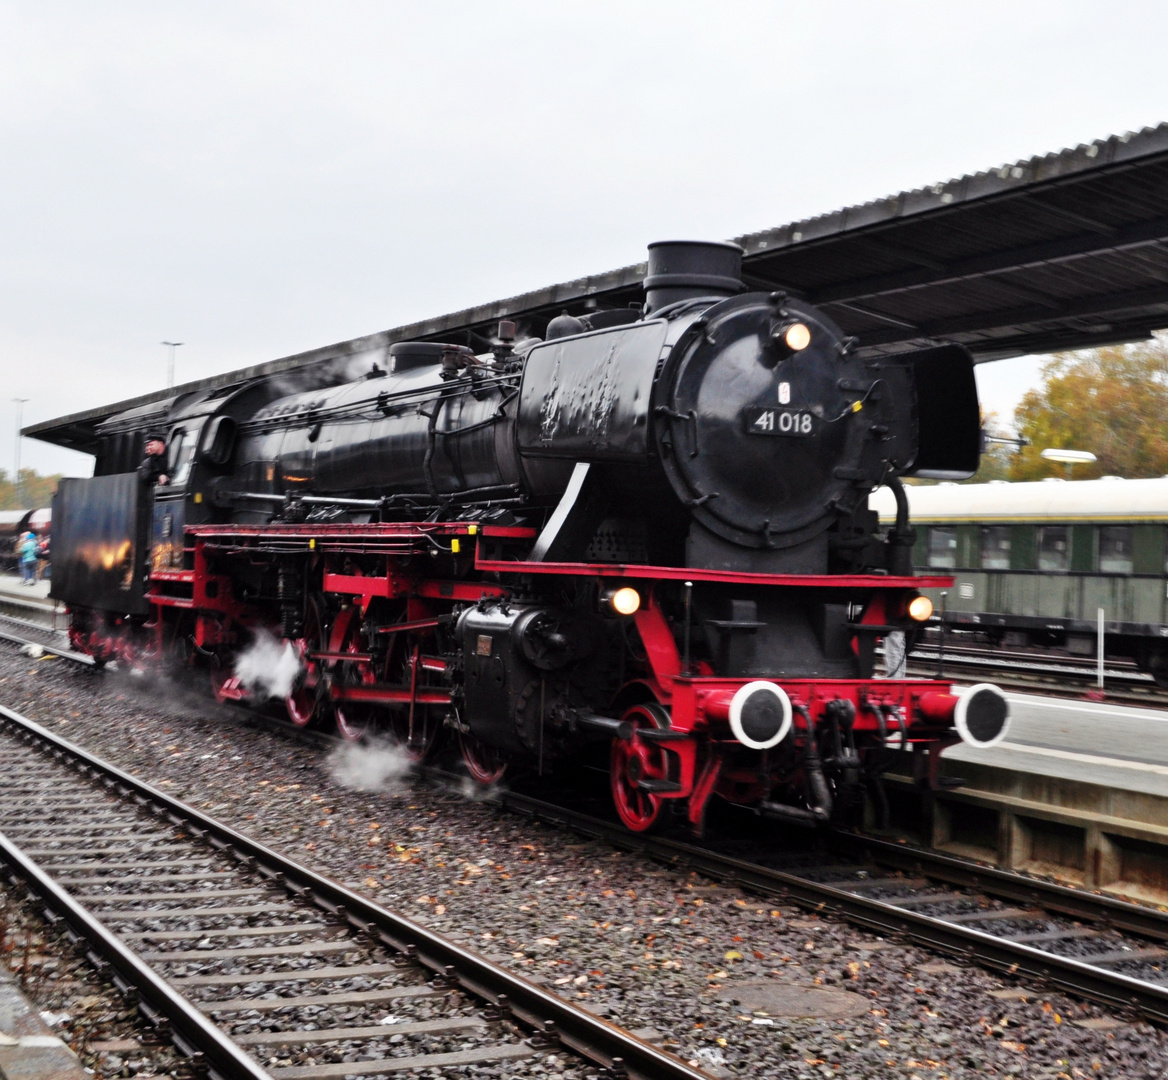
<point>644,531</point>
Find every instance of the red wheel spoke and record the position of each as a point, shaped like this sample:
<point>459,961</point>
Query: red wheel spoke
<point>302,704</point>
<point>354,721</point>
<point>633,760</point>
<point>484,763</point>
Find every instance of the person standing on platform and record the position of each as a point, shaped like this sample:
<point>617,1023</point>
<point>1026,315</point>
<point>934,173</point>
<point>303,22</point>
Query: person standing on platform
<point>28,559</point>
<point>43,556</point>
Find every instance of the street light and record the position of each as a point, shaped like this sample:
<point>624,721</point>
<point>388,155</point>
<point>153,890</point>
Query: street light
<point>1070,458</point>
<point>172,345</point>
<point>19,402</point>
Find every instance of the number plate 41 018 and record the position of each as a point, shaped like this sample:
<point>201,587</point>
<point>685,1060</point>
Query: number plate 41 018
<point>779,422</point>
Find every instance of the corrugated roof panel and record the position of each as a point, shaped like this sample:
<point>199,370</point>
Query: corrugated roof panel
<point>1057,251</point>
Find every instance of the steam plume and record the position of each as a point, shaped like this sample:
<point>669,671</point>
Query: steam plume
<point>268,667</point>
<point>377,766</point>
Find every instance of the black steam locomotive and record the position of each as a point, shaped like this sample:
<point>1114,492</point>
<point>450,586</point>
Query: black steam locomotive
<point>648,529</point>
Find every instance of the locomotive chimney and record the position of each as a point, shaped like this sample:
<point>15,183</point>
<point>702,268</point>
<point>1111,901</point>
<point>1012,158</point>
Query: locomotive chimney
<point>683,269</point>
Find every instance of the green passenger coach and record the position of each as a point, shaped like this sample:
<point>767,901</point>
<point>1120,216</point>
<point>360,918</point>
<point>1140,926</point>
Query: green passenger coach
<point>1035,562</point>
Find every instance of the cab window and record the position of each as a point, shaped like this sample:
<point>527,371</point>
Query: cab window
<point>180,456</point>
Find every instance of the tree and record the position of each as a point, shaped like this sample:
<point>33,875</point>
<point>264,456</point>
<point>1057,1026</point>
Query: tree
<point>35,490</point>
<point>1111,401</point>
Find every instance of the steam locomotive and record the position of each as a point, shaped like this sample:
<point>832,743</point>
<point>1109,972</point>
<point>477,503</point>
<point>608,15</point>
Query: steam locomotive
<point>645,534</point>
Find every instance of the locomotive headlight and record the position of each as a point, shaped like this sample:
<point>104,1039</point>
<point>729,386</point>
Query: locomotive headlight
<point>796,336</point>
<point>920,609</point>
<point>625,601</point>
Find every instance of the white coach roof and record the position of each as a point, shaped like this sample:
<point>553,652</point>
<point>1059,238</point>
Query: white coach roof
<point>1044,500</point>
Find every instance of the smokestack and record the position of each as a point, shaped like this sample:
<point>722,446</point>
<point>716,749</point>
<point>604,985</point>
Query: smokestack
<point>684,269</point>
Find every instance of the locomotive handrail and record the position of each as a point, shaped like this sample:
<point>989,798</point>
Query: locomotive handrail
<point>352,529</point>
<point>498,494</point>
<point>354,410</point>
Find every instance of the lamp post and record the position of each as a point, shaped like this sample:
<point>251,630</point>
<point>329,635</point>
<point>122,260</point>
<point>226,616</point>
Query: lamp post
<point>19,402</point>
<point>172,345</point>
<point>1070,458</point>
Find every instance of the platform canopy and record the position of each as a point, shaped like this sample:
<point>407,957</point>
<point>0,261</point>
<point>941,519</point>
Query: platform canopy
<point>1064,251</point>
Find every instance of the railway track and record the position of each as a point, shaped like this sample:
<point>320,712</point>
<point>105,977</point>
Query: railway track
<point>31,609</point>
<point>253,964</point>
<point>1090,946</point>
<point>1096,947</point>
<point>23,632</point>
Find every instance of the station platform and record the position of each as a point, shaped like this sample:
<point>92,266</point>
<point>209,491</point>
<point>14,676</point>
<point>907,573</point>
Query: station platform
<point>11,585</point>
<point>1124,747</point>
<point>1078,791</point>
<point>28,1048</point>
<point>30,603</point>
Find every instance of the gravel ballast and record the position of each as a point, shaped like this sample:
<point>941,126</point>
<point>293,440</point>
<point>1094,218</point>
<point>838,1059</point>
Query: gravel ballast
<point>83,1008</point>
<point>714,975</point>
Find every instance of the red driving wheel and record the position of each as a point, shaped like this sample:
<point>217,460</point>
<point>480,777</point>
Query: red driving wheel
<point>634,760</point>
<point>416,728</point>
<point>484,763</point>
<point>302,702</point>
<point>355,720</point>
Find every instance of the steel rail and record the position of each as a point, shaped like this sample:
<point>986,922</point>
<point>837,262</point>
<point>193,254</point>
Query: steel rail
<point>1014,958</point>
<point>28,613</point>
<point>554,1020</point>
<point>530,1005</point>
<point>1121,689</point>
<point>193,1033</point>
<point>1076,903</point>
<point>65,654</point>
<point>1035,667</point>
<point>39,627</point>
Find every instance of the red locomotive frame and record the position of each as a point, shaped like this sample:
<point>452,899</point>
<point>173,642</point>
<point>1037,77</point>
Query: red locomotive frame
<point>677,746</point>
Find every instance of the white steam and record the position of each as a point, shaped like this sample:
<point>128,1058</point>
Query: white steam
<point>268,667</point>
<point>376,766</point>
<point>323,374</point>
<point>476,792</point>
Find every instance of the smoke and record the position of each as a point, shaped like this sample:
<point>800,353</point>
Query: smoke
<point>331,372</point>
<point>376,766</point>
<point>267,667</point>
<point>475,792</point>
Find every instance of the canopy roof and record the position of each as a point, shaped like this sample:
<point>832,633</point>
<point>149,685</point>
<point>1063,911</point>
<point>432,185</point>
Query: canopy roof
<point>1062,251</point>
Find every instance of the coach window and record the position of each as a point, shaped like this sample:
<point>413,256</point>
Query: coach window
<point>1115,549</point>
<point>1053,547</point>
<point>995,547</point>
<point>942,547</point>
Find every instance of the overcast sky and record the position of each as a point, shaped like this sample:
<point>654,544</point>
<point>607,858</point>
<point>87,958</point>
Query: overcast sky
<point>257,179</point>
